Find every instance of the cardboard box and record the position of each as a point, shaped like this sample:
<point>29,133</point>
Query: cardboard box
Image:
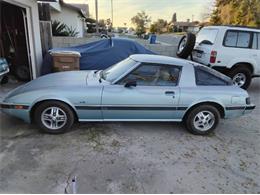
<point>65,60</point>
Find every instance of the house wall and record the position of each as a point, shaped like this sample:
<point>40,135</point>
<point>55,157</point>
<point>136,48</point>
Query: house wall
<point>167,50</point>
<point>33,32</point>
<point>69,17</point>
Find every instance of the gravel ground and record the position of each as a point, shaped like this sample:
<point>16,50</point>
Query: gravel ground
<point>132,157</point>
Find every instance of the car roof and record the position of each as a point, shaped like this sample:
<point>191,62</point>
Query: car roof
<point>234,27</point>
<point>148,58</point>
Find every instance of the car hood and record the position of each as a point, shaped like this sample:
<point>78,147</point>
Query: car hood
<point>55,80</point>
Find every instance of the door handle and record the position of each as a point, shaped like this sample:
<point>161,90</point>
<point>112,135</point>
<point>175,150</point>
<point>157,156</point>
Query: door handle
<point>169,93</point>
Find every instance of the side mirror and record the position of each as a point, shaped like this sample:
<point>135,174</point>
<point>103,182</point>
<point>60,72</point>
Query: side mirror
<point>130,84</point>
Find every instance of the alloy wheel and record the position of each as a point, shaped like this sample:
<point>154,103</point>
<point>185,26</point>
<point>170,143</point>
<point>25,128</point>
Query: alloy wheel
<point>204,120</point>
<point>53,118</point>
<point>182,44</point>
<point>239,79</point>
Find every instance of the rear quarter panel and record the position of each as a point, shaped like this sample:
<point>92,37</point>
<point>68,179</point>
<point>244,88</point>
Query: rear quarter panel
<point>222,95</point>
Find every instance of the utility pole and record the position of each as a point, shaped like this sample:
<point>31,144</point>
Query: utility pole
<point>97,27</point>
<point>112,13</point>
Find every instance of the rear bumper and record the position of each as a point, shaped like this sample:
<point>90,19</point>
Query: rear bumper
<point>16,110</point>
<point>237,111</point>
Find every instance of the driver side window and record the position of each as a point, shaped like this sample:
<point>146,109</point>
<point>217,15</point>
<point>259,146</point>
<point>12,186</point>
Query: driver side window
<point>154,75</point>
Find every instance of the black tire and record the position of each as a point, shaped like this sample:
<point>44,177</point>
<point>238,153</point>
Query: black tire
<point>241,70</point>
<point>70,118</point>
<point>4,80</point>
<point>190,119</point>
<point>22,73</point>
<point>187,49</point>
<point>104,36</point>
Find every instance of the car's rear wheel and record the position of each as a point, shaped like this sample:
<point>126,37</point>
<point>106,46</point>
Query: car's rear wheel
<point>241,76</point>
<point>202,119</point>
<point>54,117</point>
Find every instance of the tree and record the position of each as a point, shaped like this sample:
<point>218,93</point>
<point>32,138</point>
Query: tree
<point>236,12</point>
<point>61,29</point>
<point>174,18</point>
<point>141,20</point>
<point>91,23</point>
<point>159,26</point>
<point>102,24</point>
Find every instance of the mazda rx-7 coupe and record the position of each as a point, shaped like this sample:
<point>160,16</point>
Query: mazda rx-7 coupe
<point>139,88</point>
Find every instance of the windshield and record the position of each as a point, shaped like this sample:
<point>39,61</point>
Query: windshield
<point>112,73</point>
<point>207,36</point>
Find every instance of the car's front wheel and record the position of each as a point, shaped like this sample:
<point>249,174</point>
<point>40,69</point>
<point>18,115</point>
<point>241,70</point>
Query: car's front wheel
<point>202,120</point>
<point>53,117</point>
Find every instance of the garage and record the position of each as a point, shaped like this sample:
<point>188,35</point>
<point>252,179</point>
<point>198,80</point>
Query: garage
<point>20,39</point>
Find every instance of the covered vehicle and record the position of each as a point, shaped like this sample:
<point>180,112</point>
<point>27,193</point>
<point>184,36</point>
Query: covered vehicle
<point>101,54</point>
<point>139,88</point>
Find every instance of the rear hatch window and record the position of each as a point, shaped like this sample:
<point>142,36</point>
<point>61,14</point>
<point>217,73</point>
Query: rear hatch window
<point>207,76</point>
<point>207,36</point>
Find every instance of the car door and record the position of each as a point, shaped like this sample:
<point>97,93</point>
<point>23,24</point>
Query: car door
<point>155,96</point>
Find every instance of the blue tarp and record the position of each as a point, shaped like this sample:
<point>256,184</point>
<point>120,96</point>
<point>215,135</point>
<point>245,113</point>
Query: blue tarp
<point>99,55</point>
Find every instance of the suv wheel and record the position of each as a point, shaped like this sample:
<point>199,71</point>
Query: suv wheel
<point>202,120</point>
<point>186,45</point>
<point>241,76</point>
<point>54,117</point>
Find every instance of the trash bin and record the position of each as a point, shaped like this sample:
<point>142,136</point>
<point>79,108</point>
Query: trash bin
<point>65,60</point>
<point>152,39</point>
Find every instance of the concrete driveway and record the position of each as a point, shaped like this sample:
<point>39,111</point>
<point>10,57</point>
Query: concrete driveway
<point>132,157</point>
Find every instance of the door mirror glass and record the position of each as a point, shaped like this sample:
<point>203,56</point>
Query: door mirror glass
<point>130,84</point>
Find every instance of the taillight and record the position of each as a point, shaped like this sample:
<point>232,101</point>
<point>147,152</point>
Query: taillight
<point>213,57</point>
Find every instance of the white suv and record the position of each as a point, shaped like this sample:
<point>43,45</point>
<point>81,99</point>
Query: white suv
<point>234,51</point>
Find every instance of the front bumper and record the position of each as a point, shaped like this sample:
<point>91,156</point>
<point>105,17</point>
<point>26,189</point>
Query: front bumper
<point>17,110</point>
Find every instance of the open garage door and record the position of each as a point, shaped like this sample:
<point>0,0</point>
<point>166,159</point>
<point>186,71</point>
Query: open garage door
<point>15,43</point>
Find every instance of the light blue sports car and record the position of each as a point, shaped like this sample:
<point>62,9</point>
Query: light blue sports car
<point>139,88</point>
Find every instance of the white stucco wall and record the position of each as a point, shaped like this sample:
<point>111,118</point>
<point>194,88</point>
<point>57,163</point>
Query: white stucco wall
<point>33,32</point>
<point>70,17</point>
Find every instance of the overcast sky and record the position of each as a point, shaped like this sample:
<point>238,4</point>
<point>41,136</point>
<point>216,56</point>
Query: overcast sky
<point>124,10</point>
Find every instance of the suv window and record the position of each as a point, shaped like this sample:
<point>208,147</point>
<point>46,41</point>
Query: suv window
<point>206,77</point>
<point>238,39</point>
<point>154,75</point>
<point>258,40</point>
<point>254,46</point>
